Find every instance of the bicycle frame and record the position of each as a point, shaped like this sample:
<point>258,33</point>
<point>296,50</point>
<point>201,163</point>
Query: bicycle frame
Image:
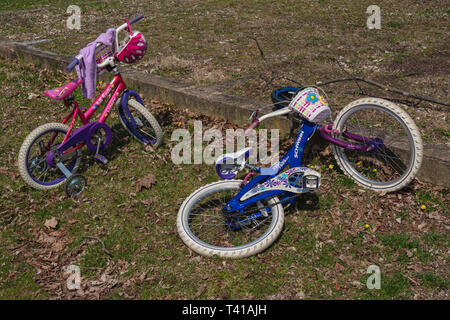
<point>293,158</point>
<point>61,146</point>
<point>117,85</point>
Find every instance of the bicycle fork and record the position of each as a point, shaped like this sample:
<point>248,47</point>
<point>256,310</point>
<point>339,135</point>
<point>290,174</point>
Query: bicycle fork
<point>254,219</point>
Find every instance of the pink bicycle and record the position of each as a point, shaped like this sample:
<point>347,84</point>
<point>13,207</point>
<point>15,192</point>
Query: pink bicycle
<point>51,153</point>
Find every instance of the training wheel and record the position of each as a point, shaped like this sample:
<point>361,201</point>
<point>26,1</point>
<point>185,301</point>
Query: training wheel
<point>75,185</point>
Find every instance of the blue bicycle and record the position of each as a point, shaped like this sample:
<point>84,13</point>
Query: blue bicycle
<point>375,142</point>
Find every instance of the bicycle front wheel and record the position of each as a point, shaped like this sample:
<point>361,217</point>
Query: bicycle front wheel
<point>140,123</point>
<point>398,155</point>
<point>207,230</point>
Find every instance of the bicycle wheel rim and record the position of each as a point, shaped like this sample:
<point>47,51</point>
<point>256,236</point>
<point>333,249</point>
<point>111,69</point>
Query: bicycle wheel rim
<point>193,234</point>
<point>56,142</point>
<point>400,145</point>
<point>134,126</point>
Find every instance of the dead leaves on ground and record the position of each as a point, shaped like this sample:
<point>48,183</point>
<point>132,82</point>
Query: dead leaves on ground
<point>146,182</point>
<point>51,223</point>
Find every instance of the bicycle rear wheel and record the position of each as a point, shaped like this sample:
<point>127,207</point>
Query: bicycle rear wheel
<point>399,156</point>
<point>32,162</point>
<point>207,230</point>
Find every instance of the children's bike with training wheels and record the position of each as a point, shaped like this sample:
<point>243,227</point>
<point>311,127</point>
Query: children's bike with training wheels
<point>51,153</point>
<point>374,141</point>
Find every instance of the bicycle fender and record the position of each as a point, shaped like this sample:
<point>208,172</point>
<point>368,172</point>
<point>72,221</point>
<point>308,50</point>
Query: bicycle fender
<point>124,103</point>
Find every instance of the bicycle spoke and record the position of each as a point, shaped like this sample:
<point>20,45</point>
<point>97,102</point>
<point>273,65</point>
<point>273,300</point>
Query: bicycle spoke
<point>208,222</point>
<point>385,164</point>
<point>38,169</point>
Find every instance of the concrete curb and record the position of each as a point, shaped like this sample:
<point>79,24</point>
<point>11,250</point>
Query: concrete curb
<point>212,101</point>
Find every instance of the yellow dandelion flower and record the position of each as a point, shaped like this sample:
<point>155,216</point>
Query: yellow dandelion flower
<point>359,163</point>
<point>374,170</point>
<point>367,226</point>
<point>311,166</point>
<point>331,166</point>
<point>423,207</point>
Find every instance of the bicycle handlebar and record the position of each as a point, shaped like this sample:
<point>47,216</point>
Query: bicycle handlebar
<point>72,64</point>
<point>254,124</point>
<point>136,19</point>
<point>257,121</point>
<point>76,60</point>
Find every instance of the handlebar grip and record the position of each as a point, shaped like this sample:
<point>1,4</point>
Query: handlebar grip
<point>72,65</point>
<point>252,126</point>
<point>136,19</point>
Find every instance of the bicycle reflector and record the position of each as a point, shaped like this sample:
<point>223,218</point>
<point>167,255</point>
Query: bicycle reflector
<point>311,181</point>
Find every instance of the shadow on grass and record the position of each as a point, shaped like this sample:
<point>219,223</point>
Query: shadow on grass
<point>305,202</point>
<point>120,138</point>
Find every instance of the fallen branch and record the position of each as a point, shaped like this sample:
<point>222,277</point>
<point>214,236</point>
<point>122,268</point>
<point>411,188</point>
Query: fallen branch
<point>385,88</point>
<point>361,91</point>
<point>276,75</point>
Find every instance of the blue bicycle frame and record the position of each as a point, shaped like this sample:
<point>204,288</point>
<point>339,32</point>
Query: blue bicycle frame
<point>293,157</point>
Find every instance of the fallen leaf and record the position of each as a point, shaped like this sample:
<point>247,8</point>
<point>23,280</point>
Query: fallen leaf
<point>146,182</point>
<point>326,151</point>
<point>147,202</point>
<point>51,223</point>
<point>338,268</point>
<point>32,96</point>
<point>58,246</point>
<point>200,291</point>
<point>357,284</point>
<point>421,226</point>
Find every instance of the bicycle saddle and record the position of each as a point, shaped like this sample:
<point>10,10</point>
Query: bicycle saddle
<point>229,164</point>
<point>63,91</point>
<point>236,157</point>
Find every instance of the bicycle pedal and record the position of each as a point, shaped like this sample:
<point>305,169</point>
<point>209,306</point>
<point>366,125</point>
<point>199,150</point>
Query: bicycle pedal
<point>100,158</point>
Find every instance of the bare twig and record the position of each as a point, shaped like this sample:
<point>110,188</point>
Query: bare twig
<point>386,88</point>
<point>361,91</point>
<point>261,52</point>
<point>275,75</point>
<point>98,240</point>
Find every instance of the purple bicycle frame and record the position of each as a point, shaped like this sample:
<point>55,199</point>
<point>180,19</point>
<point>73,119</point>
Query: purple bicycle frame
<point>370,145</point>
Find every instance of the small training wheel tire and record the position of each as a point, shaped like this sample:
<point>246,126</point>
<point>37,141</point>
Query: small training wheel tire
<point>75,185</point>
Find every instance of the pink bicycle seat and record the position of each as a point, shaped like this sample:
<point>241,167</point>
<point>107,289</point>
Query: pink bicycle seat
<point>63,91</point>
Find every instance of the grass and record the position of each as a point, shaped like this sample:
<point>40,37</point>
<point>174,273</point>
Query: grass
<point>432,280</point>
<point>9,5</point>
<point>399,241</point>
